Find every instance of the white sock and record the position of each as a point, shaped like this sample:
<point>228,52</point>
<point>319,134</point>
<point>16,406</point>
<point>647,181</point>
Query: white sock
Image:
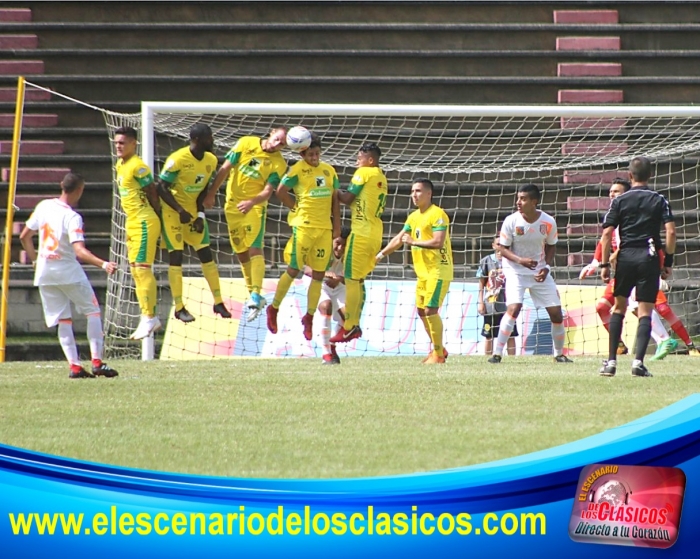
<point>504,331</point>
<point>558,338</point>
<point>326,334</point>
<point>67,341</point>
<point>95,335</point>
<point>658,330</point>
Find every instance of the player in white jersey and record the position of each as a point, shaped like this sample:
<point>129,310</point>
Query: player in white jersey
<point>332,301</point>
<point>528,243</point>
<point>60,277</point>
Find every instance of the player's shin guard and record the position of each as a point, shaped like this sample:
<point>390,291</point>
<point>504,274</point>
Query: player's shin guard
<point>257,273</point>
<point>67,340</point>
<point>615,330</point>
<point>247,269</point>
<point>658,330</point>
<point>326,334</point>
<point>95,336</point>
<point>175,280</point>
<point>353,303</point>
<point>313,295</point>
<point>643,335</point>
<point>146,289</point>
<point>424,320</point>
<point>504,331</point>
<point>674,322</point>
<point>558,338</point>
<point>283,285</point>
<point>435,330</point>
<point>211,274</point>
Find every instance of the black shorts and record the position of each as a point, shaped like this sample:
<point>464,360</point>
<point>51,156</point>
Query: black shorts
<point>637,268</point>
<point>492,324</point>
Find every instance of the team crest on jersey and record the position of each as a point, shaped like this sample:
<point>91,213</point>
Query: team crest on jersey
<point>543,229</point>
<point>208,168</point>
<point>520,231</point>
<point>320,181</point>
<point>326,173</point>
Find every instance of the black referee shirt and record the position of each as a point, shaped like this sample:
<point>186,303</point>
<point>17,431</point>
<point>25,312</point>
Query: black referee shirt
<point>639,213</point>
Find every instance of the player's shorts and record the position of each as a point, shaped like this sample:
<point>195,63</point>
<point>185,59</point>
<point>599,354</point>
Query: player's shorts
<point>543,294</point>
<point>637,268</point>
<point>176,235</point>
<point>56,300</point>
<point>361,256</point>
<point>431,292</point>
<point>142,239</point>
<point>310,247</point>
<point>492,325</point>
<point>246,231</point>
<point>336,295</point>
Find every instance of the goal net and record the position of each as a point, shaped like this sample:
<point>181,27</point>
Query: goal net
<point>477,157</point>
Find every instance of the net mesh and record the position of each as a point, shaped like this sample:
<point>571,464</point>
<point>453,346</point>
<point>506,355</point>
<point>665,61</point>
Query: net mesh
<point>477,163</point>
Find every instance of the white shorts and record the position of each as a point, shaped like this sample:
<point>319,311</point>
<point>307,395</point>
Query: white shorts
<point>336,295</point>
<point>543,294</point>
<point>56,300</point>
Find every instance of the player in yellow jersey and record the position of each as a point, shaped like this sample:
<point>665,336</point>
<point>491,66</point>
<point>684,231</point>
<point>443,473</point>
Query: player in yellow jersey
<point>254,168</point>
<point>427,233</point>
<point>316,222</point>
<point>182,185</point>
<point>141,204</point>
<point>366,197</point>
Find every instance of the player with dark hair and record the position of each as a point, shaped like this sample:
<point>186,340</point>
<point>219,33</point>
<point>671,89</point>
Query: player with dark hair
<point>254,167</point>
<point>182,186</point>
<point>315,223</point>
<point>60,277</point>
<point>639,215</point>
<point>426,231</point>
<point>141,204</point>
<point>528,244</point>
<point>366,196</point>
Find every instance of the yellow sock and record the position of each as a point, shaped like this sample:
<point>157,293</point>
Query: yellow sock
<point>283,285</point>
<point>211,274</point>
<point>247,269</point>
<point>353,303</point>
<point>435,325</point>
<point>424,320</point>
<point>257,273</point>
<point>175,279</point>
<point>313,295</point>
<point>146,289</point>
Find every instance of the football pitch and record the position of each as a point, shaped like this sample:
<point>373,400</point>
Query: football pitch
<point>292,418</point>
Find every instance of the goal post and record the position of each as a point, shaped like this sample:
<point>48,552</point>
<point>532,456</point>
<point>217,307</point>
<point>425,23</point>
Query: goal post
<point>477,156</point>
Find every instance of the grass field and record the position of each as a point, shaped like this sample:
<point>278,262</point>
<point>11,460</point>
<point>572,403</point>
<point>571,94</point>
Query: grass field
<point>299,419</point>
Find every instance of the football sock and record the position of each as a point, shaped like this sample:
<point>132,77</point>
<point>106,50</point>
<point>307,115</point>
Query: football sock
<point>658,330</point>
<point>146,289</point>
<point>283,285</point>
<point>67,340</point>
<point>643,335</point>
<point>504,331</point>
<point>211,274</point>
<point>257,273</point>
<point>95,336</point>
<point>603,309</point>
<point>558,338</point>
<point>326,333</point>
<point>424,320</point>
<point>175,280</point>
<point>353,303</point>
<point>615,334</point>
<point>674,322</point>
<point>435,329</point>
<point>247,269</point>
<point>313,295</point>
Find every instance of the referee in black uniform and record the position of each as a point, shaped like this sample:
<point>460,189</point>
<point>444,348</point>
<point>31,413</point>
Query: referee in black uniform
<point>639,213</point>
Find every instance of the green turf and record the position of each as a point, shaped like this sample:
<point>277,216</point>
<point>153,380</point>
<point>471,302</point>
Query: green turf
<point>297,418</point>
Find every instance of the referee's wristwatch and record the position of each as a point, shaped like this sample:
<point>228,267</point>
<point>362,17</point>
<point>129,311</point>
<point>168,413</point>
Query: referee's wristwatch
<point>604,265</point>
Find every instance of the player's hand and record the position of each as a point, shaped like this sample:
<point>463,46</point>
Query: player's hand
<point>528,263</point>
<point>407,239</point>
<point>605,274</point>
<point>208,202</point>
<point>666,272</point>
<point>332,281</point>
<point>109,267</point>
<point>588,271</point>
<point>198,225</point>
<point>185,216</point>
<point>481,308</point>
<point>541,275</point>
<point>245,206</point>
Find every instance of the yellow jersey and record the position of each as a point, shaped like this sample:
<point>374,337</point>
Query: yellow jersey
<point>252,169</point>
<point>430,262</point>
<point>369,185</point>
<point>313,188</point>
<point>133,175</point>
<point>188,176</point>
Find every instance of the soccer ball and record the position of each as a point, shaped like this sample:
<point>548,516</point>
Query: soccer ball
<point>298,138</point>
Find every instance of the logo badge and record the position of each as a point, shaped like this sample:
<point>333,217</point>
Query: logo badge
<point>636,506</point>
<point>543,229</point>
<point>519,231</point>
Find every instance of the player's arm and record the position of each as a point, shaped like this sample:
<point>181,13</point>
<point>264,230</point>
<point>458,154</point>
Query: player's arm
<point>84,255</point>
<point>393,244</point>
<point>670,228</point>
<point>481,306</point>
<point>287,184</point>
<point>336,213</point>
<point>606,244</point>
<point>26,237</point>
<point>592,268</point>
<point>152,196</point>
<point>346,197</point>
<point>167,196</point>
<point>436,242</point>
<point>221,175</point>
